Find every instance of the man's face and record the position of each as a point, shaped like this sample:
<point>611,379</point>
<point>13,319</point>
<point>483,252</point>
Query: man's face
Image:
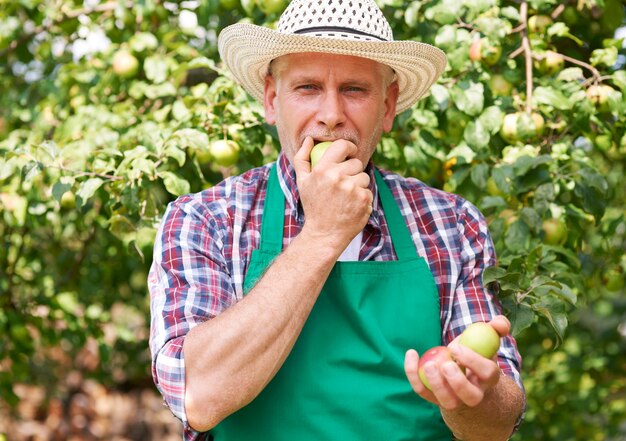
<point>330,97</point>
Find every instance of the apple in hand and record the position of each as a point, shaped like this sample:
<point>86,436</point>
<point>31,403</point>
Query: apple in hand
<point>318,151</point>
<point>438,355</point>
<point>481,338</point>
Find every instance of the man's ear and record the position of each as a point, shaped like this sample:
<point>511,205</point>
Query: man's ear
<point>391,100</point>
<point>269,96</point>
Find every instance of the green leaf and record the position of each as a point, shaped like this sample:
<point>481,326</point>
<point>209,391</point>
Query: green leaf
<point>199,62</point>
<point>521,317</point>
<point>551,97</point>
<point>571,74</point>
<point>491,119</point>
<point>425,118</point>
<point>174,152</point>
<point>68,301</point>
<point>619,78</point>
<point>517,237</point>
<point>156,69</point>
<point>462,151</point>
<point>492,274</point>
<point>59,189</point>
<point>445,12</point>
<point>87,189</point>
<point>476,135</point>
<point>143,41</point>
<point>607,57</point>
<point>469,97</point>
<point>558,29</point>
<point>479,175</point>
<point>440,96</point>
<point>174,184</point>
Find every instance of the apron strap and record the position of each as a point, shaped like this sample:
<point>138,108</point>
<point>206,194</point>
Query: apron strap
<point>273,220</point>
<point>400,236</point>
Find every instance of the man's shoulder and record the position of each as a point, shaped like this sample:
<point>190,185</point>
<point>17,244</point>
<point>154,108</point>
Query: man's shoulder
<point>240,189</point>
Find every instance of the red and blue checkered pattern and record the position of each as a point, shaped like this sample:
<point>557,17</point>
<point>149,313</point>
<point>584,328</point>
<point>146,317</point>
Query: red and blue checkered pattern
<point>205,241</point>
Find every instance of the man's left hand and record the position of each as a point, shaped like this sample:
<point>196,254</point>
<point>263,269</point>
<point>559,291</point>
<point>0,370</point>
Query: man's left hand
<point>451,388</point>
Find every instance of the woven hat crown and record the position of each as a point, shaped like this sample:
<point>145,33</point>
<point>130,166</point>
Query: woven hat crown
<point>359,20</point>
<point>343,27</point>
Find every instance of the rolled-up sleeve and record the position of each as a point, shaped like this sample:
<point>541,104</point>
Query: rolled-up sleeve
<point>189,283</point>
<point>472,301</point>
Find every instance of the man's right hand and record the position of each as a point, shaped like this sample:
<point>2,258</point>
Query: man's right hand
<point>335,196</point>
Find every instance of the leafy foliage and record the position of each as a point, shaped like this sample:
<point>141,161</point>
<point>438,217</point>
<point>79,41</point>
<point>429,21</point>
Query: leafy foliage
<point>110,110</point>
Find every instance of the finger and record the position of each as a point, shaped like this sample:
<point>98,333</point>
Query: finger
<point>441,389</point>
<point>361,180</point>
<point>467,392</point>
<point>411,362</point>
<point>501,324</point>
<point>302,158</point>
<point>338,152</point>
<point>485,370</point>
<point>351,167</point>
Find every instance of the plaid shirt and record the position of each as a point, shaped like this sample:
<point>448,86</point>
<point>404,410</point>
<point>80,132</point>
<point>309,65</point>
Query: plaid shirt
<point>205,241</point>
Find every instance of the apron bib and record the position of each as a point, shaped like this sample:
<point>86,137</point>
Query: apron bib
<point>344,378</point>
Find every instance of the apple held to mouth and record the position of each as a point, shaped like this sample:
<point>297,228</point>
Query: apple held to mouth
<point>438,355</point>
<point>318,151</point>
<point>481,338</point>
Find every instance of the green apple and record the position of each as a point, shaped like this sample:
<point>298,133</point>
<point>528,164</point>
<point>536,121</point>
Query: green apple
<point>230,4</point>
<point>68,200</point>
<point>125,64</point>
<point>508,130</point>
<point>551,63</point>
<point>539,123</point>
<point>224,152</point>
<point>493,189</point>
<point>499,85</point>
<point>598,94</point>
<point>438,355</point>
<point>481,338</point>
<point>539,23</point>
<point>486,51</point>
<point>318,151</point>
<point>272,6</point>
<point>521,126</point>
<point>613,278</point>
<point>555,231</point>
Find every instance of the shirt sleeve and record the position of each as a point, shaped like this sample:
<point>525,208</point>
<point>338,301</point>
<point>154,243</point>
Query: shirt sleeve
<point>473,302</point>
<point>189,283</point>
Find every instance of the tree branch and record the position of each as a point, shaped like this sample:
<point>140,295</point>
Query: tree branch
<point>528,57</point>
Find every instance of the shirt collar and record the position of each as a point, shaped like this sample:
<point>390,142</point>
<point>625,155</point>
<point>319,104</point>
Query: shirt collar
<point>287,180</point>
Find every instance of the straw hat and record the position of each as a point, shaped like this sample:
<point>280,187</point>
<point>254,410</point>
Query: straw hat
<point>346,27</point>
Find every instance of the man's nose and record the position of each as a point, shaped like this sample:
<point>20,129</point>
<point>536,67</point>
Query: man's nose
<point>331,110</point>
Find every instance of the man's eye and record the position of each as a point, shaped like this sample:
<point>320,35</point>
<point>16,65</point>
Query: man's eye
<point>306,87</point>
<point>354,89</point>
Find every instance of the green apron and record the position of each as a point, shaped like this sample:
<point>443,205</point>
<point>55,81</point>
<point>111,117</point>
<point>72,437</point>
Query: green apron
<point>344,379</point>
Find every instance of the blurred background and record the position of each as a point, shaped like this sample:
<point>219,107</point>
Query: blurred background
<point>111,109</point>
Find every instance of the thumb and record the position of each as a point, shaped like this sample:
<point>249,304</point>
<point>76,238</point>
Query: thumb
<point>302,158</point>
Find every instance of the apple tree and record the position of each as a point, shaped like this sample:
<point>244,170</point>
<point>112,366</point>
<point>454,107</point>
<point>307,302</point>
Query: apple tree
<point>112,109</point>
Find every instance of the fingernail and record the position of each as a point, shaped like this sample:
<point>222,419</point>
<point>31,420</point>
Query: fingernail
<point>430,369</point>
<point>455,350</point>
<point>450,369</point>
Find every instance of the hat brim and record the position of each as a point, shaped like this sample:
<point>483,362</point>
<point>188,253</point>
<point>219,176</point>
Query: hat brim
<point>247,50</point>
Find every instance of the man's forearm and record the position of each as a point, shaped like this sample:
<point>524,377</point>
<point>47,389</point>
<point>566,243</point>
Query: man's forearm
<point>493,419</point>
<point>231,358</point>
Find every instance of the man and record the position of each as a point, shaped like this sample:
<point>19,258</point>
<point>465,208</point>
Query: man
<point>285,301</point>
